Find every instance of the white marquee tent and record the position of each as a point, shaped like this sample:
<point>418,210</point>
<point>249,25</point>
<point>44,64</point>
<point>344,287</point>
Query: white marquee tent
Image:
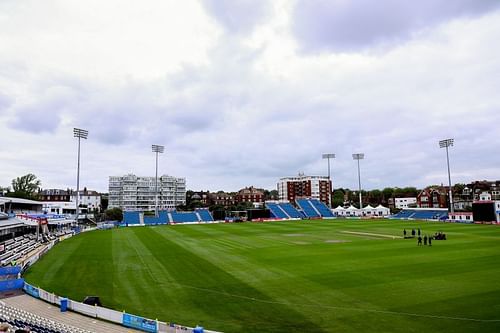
<point>366,211</point>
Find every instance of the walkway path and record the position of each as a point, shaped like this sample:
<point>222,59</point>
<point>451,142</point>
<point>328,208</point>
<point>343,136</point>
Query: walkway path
<point>50,311</point>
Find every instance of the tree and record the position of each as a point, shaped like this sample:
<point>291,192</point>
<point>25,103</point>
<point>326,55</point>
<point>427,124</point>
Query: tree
<point>4,190</point>
<point>375,197</point>
<point>387,193</point>
<point>114,214</point>
<point>25,186</point>
<point>338,198</point>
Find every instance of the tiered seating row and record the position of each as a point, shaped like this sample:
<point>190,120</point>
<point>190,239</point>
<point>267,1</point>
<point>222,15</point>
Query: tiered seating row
<point>290,210</point>
<point>421,214</point>
<point>323,209</point>
<point>18,247</point>
<point>205,215</point>
<point>182,217</point>
<point>307,208</point>
<point>276,211</point>
<point>20,319</point>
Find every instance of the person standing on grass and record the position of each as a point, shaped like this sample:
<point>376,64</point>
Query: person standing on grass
<point>419,241</point>
<point>430,240</point>
<point>419,232</point>
<point>425,240</point>
<point>404,233</point>
<point>413,232</point>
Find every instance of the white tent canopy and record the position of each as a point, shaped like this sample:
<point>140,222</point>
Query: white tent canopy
<point>366,211</point>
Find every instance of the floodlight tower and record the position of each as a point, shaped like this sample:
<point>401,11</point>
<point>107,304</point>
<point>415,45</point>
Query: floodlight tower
<point>359,156</point>
<point>445,144</point>
<point>158,150</point>
<point>80,134</point>
<point>328,156</point>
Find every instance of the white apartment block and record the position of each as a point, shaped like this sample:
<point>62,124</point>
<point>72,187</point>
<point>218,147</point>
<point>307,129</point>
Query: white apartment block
<point>403,203</point>
<point>134,193</point>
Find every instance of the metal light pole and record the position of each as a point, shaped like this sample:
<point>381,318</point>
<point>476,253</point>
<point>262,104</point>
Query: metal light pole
<point>80,134</point>
<point>158,150</point>
<point>328,156</point>
<point>445,144</point>
<point>359,156</point>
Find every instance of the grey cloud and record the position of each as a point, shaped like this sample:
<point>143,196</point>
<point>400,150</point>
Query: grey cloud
<point>37,118</point>
<point>229,124</point>
<point>5,102</point>
<point>323,25</point>
<point>238,16</point>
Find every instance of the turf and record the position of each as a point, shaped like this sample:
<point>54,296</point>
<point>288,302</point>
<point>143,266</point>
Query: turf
<point>309,276</point>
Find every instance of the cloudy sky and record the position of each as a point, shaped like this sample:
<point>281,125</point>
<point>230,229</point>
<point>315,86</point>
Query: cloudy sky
<point>244,92</point>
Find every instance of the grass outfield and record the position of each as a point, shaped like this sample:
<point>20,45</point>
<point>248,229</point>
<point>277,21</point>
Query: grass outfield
<point>310,276</point>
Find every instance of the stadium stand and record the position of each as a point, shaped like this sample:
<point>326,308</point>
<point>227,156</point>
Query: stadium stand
<point>290,210</point>
<point>21,246</point>
<point>205,215</point>
<point>322,208</point>
<point>404,214</point>
<point>422,214</point>
<point>276,210</point>
<point>183,217</point>
<point>308,208</point>
<point>20,319</point>
<point>131,217</point>
<point>200,215</point>
<point>162,218</point>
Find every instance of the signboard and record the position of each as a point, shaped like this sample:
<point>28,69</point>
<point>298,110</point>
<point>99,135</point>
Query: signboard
<point>140,323</point>
<point>29,289</point>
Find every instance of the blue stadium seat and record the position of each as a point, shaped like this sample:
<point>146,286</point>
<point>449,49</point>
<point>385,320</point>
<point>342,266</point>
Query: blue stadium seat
<point>131,218</point>
<point>290,210</point>
<point>276,211</point>
<point>183,217</point>
<point>307,208</point>
<point>205,215</point>
<point>322,208</point>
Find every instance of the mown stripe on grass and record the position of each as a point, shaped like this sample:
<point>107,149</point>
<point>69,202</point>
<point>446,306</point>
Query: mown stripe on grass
<point>82,267</point>
<point>212,290</point>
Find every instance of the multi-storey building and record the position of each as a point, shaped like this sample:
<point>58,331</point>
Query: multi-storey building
<point>64,201</point>
<point>433,197</point>
<point>54,195</point>
<point>316,187</point>
<point>250,194</point>
<point>223,199</point>
<point>134,193</point>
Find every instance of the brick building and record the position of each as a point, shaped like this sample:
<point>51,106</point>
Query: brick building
<point>316,187</point>
<point>250,194</point>
<point>433,197</point>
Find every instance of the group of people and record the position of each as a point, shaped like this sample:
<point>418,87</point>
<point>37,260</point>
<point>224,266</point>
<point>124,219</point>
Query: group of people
<point>413,233</point>
<point>440,236</point>
<point>427,239</point>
